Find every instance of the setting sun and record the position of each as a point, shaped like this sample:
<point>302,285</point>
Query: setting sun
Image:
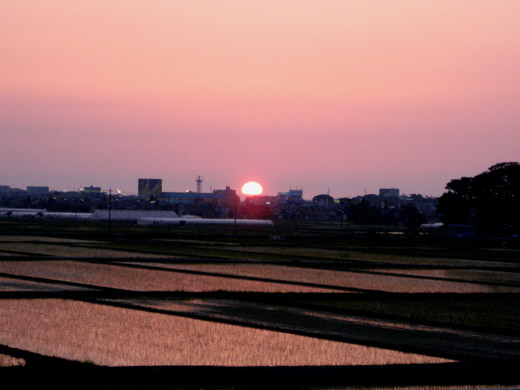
<point>252,188</point>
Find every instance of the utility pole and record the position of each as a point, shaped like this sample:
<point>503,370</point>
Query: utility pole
<point>235,225</point>
<point>110,210</point>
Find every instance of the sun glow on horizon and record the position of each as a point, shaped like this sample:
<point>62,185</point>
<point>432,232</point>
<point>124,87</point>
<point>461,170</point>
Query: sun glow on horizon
<point>252,188</point>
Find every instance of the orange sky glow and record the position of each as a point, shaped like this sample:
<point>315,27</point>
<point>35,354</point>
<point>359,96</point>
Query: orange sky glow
<point>341,95</point>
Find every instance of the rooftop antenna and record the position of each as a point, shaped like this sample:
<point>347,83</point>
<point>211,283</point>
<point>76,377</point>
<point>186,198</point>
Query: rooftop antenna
<point>199,184</point>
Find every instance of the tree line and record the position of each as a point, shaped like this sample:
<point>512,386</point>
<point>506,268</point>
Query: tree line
<point>489,200</point>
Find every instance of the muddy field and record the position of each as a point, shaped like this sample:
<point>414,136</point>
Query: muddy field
<point>106,303</point>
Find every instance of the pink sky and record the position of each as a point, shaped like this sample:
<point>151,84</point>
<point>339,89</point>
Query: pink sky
<point>340,95</point>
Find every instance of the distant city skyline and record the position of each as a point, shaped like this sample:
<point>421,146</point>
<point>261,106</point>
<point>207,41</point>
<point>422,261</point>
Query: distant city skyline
<point>206,188</point>
<point>343,95</point>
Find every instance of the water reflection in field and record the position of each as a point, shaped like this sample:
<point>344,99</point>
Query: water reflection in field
<point>345,279</point>
<point>117,336</point>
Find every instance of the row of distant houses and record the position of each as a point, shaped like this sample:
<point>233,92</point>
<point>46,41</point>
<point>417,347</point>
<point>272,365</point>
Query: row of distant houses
<point>43,190</point>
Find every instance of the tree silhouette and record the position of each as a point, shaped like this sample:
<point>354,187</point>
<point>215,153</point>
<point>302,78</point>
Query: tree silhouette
<point>411,217</point>
<point>490,200</point>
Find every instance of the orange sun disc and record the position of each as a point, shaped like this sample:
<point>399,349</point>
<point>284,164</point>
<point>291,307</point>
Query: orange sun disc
<point>252,188</point>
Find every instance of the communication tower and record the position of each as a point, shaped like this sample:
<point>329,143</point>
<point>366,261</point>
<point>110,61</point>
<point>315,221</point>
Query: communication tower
<point>199,184</point>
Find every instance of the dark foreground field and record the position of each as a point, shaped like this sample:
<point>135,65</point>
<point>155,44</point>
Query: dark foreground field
<point>44,372</point>
<point>307,306</point>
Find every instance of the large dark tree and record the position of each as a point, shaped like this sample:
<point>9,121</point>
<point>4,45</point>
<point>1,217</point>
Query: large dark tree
<point>363,213</point>
<point>410,216</point>
<point>491,200</point>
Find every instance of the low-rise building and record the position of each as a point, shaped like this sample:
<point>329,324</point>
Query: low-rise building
<point>389,192</point>
<point>37,190</point>
<point>226,197</point>
<point>149,186</point>
<point>292,197</point>
<point>91,190</point>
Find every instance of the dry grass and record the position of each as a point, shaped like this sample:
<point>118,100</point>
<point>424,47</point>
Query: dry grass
<point>11,361</point>
<point>333,254</point>
<point>45,239</point>
<point>70,251</point>
<point>397,259</point>
<point>8,284</point>
<point>292,251</point>
<point>197,242</point>
<point>139,279</point>
<point>483,276</point>
<point>115,336</point>
<point>343,279</point>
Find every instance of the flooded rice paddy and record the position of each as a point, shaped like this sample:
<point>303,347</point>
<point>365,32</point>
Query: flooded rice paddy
<point>177,321</point>
<point>119,337</point>
<point>342,279</point>
<point>139,279</point>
